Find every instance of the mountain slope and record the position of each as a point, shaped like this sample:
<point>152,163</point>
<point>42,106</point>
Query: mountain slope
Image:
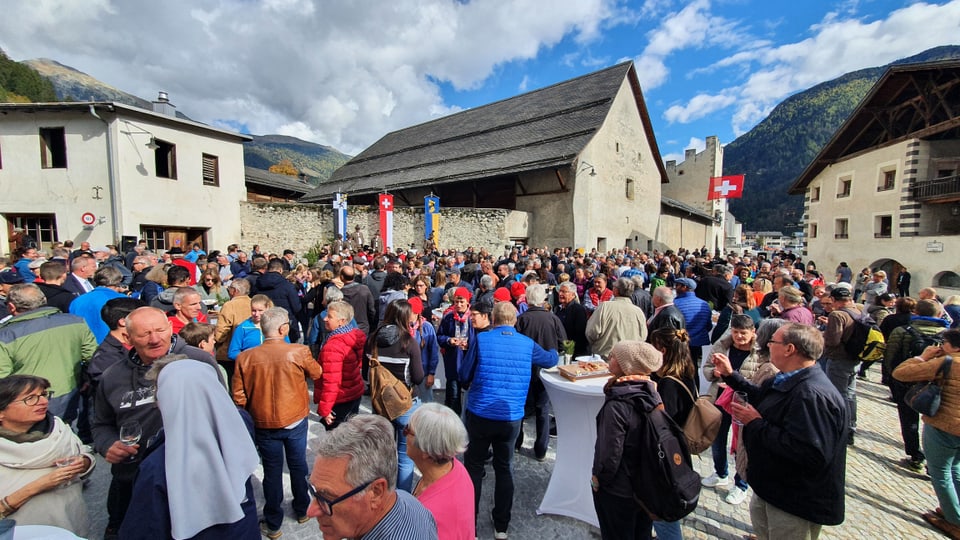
<point>316,160</point>
<point>776,150</point>
<point>73,85</point>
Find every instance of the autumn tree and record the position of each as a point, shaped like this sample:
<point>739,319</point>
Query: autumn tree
<point>285,167</point>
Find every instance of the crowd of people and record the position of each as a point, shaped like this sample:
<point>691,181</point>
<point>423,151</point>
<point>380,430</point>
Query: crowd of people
<point>141,356</point>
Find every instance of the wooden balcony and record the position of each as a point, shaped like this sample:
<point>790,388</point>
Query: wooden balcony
<point>944,189</point>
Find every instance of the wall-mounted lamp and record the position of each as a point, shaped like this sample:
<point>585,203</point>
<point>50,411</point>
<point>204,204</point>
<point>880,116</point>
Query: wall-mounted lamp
<point>152,145</point>
<point>955,210</point>
<point>583,167</point>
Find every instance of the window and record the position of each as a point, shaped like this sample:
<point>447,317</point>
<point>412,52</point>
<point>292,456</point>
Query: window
<point>53,148</point>
<point>815,194</point>
<point>842,229</point>
<point>844,188</point>
<point>618,147</point>
<point>211,170</point>
<point>156,241</point>
<point>883,227</point>
<point>631,189</point>
<point>42,227</point>
<point>813,230</point>
<point>165,159</point>
<point>887,180</point>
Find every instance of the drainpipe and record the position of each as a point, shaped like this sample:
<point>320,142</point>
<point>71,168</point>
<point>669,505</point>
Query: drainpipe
<point>111,179</point>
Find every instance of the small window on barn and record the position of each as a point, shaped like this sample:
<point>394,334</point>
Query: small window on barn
<point>53,148</point>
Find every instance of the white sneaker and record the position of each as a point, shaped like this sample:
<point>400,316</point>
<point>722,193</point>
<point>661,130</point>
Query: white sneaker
<point>716,481</point>
<point>736,496</point>
<point>500,536</point>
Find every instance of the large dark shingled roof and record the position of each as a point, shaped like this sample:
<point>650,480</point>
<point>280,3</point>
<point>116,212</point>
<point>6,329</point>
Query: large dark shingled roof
<point>537,130</point>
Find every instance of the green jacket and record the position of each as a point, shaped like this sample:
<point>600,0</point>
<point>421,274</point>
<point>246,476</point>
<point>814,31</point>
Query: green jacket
<point>46,343</point>
<point>898,345</point>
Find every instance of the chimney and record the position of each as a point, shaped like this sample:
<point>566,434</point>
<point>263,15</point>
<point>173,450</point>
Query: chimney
<point>163,106</point>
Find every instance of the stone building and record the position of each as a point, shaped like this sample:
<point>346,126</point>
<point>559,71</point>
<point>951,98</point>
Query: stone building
<point>101,172</point>
<point>573,164</point>
<point>690,183</point>
<point>885,190</point>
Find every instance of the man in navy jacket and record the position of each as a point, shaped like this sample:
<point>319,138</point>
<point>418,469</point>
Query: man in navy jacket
<point>795,432</point>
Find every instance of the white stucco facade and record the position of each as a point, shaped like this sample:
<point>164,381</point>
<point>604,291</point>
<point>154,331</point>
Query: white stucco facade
<point>619,205</point>
<point>854,214</point>
<point>105,171</point>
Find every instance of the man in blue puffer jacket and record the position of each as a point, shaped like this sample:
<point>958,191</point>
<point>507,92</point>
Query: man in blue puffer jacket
<point>497,368</point>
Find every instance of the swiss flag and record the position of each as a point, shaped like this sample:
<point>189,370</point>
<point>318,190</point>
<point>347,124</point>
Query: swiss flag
<point>726,187</point>
<point>386,221</point>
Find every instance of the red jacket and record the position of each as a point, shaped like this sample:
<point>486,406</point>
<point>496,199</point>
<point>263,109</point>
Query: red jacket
<point>340,358</point>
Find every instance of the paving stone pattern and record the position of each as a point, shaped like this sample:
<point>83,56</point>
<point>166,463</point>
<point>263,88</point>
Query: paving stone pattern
<point>884,500</point>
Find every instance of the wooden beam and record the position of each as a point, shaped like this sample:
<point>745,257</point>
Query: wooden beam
<point>563,186</point>
<point>551,192</point>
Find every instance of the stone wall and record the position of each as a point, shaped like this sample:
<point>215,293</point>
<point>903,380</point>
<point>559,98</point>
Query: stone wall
<point>278,226</point>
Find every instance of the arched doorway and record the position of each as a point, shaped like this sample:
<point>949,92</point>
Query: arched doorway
<point>892,267</point>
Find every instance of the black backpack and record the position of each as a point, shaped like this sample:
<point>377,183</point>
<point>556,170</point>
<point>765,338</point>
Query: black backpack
<point>920,341</point>
<point>665,484</point>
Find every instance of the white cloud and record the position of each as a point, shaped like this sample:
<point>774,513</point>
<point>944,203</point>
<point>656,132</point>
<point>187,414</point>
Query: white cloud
<point>693,27</point>
<point>697,144</point>
<point>839,45</point>
<point>331,72</point>
<point>698,107</point>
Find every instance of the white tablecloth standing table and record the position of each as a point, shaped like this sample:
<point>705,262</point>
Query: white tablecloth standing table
<point>575,406</point>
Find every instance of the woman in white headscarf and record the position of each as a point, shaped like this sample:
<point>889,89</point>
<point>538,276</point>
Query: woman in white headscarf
<point>195,480</point>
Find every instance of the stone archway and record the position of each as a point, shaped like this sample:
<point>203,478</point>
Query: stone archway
<point>892,267</point>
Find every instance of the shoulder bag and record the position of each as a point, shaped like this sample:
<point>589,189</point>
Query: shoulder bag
<point>390,397</point>
<point>703,422</point>
<point>924,397</point>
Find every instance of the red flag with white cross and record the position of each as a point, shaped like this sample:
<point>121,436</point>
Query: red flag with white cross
<point>726,187</point>
<point>386,220</point>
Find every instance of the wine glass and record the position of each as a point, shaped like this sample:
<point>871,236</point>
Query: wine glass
<point>130,433</point>
<point>67,461</point>
<point>739,398</point>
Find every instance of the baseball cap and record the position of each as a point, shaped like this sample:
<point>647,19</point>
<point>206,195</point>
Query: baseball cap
<point>686,282</point>
<point>10,277</point>
<point>841,293</point>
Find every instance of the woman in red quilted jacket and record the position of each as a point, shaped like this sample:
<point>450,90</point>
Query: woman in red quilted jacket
<point>338,392</point>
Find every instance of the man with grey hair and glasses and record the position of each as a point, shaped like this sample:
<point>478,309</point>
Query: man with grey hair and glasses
<point>354,486</point>
<point>617,320</point>
<point>795,432</point>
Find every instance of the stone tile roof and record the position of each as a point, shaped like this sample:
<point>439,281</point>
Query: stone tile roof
<point>537,130</point>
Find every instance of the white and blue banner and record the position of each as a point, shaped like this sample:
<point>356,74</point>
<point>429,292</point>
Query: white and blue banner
<point>340,216</point>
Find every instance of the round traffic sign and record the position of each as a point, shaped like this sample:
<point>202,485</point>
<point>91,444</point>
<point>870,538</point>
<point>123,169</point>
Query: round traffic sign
<point>88,219</point>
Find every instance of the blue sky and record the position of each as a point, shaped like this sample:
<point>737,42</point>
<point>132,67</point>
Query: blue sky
<point>344,74</point>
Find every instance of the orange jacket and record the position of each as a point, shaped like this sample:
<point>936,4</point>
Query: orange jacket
<point>269,383</point>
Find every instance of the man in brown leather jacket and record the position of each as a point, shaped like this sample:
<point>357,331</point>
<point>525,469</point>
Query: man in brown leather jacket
<point>269,383</point>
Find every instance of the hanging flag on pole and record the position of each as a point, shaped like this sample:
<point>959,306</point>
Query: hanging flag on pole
<point>431,211</point>
<point>386,220</point>
<point>726,187</point>
<point>340,216</point>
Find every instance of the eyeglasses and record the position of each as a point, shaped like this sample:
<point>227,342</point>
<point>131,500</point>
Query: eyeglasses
<point>325,505</point>
<point>33,399</point>
<point>777,342</point>
<point>407,432</point>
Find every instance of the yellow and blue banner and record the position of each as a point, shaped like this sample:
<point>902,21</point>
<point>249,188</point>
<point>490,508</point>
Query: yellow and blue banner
<point>431,207</point>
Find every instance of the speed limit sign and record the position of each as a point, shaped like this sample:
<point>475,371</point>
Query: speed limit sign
<point>88,218</point>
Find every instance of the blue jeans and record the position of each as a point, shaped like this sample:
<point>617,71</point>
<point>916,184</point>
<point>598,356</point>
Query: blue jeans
<point>668,530</point>
<point>273,445</point>
<point>943,462</point>
<point>719,450</point>
<point>404,463</point>
<point>65,406</point>
<point>843,375</point>
<point>500,434</point>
